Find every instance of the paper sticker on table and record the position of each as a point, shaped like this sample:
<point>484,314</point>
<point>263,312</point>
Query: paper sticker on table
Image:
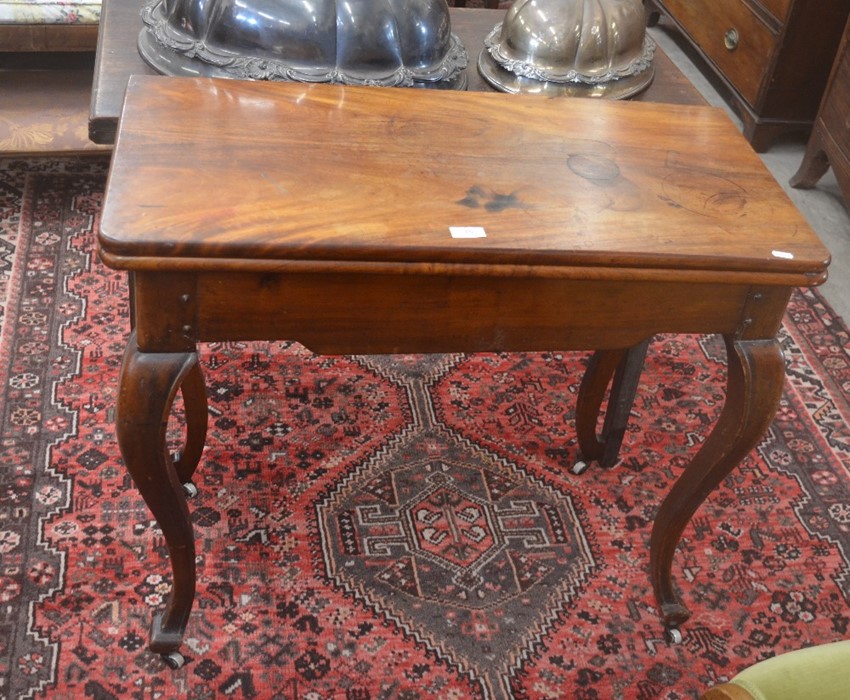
<point>467,232</point>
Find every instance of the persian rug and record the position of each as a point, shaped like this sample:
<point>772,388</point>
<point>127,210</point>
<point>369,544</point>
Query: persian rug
<point>392,527</point>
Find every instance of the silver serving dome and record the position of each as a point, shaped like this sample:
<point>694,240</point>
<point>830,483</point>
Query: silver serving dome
<point>354,42</point>
<point>570,47</point>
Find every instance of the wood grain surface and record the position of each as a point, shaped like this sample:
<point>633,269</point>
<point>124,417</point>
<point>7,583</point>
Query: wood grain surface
<point>261,173</point>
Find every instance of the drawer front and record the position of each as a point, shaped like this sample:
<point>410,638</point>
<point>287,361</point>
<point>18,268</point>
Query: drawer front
<point>835,111</point>
<point>778,8</point>
<point>732,36</point>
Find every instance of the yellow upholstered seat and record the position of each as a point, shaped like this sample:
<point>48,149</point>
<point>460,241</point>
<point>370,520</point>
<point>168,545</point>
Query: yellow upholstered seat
<point>815,673</point>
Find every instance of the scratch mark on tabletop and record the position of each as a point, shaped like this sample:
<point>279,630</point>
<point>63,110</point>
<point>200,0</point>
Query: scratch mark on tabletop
<point>282,189</point>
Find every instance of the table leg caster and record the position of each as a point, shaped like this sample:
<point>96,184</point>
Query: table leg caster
<point>190,490</point>
<point>580,467</point>
<point>174,660</point>
<point>673,635</point>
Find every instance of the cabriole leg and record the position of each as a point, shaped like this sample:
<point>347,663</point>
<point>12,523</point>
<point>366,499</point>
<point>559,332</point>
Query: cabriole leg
<point>147,387</point>
<point>594,383</point>
<point>194,394</point>
<point>625,366</point>
<point>754,387</point>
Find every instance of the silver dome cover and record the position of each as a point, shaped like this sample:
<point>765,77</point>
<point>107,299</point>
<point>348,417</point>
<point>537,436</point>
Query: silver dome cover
<point>354,42</point>
<point>579,47</point>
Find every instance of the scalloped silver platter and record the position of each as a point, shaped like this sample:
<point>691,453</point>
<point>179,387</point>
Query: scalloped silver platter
<point>168,62</point>
<point>170,57</point>
<point>506,81</point>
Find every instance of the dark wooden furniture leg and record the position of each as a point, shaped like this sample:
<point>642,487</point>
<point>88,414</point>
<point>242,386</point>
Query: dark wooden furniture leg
<point>754,386</point>
<point>147,388</point>
<point>194,394</point>
<point>653,14</point>
<point>815,163</point>
<point>625,366</point>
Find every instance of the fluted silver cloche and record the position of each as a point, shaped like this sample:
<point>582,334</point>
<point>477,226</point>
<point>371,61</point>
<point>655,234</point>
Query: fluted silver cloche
<point>356,42</point>
<point>570,47</point>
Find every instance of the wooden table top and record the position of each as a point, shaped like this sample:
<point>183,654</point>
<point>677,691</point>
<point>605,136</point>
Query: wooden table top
<point>233,174</point>
<point>118,59</point>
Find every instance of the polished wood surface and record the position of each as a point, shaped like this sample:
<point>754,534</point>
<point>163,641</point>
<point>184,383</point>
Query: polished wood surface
<point>44,100</point>
<point>773,56</point>
<point>707,21</point>
<point>325,215</point>
<point>48,37</point>
<point>118,59</point>
<point>619,189</point>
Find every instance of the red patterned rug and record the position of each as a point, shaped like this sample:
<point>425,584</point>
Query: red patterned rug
<point>392,527</point>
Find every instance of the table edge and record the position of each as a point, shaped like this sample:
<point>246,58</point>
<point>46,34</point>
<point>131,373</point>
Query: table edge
<point>191,266</point>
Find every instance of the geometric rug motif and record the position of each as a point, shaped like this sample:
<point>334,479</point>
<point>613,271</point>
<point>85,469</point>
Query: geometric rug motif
<point>392,527</point>
<point>42,207</point>
<point>462,550</point>
<point>823,508</point>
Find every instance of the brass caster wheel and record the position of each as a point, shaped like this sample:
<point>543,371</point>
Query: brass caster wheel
<point>579,467</point>
<point>174,660</point>
<point>674,635</point>
<point>190,489</point>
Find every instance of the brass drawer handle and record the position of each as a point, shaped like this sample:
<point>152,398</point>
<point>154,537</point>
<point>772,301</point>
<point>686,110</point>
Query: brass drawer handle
<point>730,39</point>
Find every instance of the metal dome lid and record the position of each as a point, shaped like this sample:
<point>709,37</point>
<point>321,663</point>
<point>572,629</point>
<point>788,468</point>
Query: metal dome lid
<point>394,43</point>
<point>570,47</point>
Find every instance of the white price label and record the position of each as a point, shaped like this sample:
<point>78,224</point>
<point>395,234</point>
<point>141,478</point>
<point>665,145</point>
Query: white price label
<point>467,232</point>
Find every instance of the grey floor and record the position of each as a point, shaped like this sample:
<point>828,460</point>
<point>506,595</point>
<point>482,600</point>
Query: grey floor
<point>823,206</point>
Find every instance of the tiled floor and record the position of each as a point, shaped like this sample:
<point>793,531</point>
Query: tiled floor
<point>46,110</point>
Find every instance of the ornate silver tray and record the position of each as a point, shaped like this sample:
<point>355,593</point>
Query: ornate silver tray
<point>394,43</point>
<point>595,48</point>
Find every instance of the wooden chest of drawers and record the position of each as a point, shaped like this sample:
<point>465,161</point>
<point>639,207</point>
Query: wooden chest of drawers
<point>830,140</point>
<point>772,56</point>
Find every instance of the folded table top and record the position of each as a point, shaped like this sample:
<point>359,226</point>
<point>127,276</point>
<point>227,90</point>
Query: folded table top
<point>229,174</point>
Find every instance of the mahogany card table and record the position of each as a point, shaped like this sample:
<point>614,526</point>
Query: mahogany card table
<point>364,220</point>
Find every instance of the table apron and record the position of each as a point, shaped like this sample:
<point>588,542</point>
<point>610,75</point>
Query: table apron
<point>348,313</point>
